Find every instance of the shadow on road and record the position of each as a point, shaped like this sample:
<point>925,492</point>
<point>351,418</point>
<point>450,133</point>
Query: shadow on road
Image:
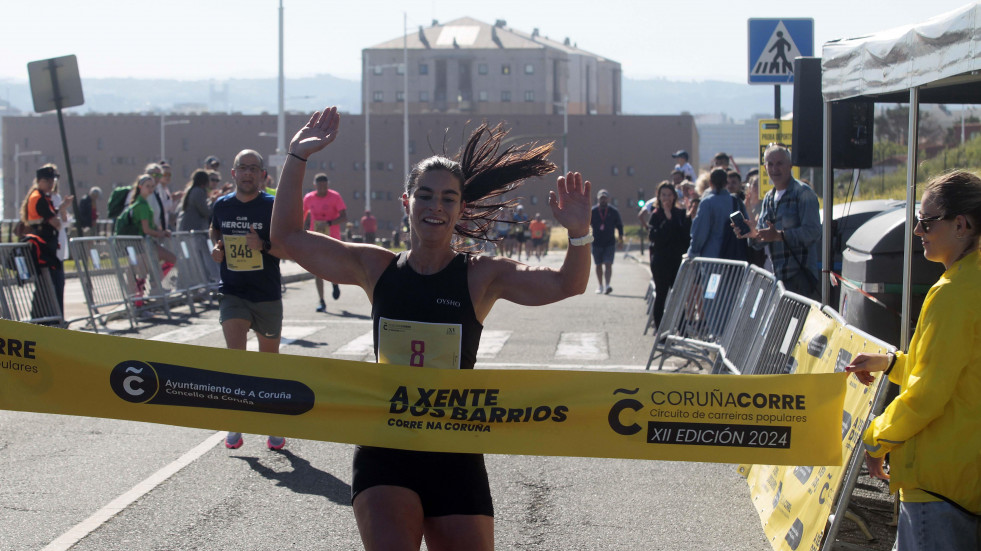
<point>304,478</point>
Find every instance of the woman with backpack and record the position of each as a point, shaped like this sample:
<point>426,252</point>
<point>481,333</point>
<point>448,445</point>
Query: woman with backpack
<point>137,218</point>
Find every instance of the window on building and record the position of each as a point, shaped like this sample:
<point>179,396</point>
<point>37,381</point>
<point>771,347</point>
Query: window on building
<point>390,167</point>
<point>400,69</point>
<point>529,69</point>
<point>399,96</point>
<point>377,69</point>
<point>424,96</point>
<point>357,165</point>
<point>506,95</point>
<point>482,95</point>
<point>378,96</point>
<point>481,68</point>
<point>185,144</point>
<point>630,171</point>
<point>378,165</point>
<point>412,147</point>
<point>614,170</point>
<point>506,69</point>
<point>357,195</point>
<point>423,68</point>
<point>529,95</point>
<point>98,144</point>
<point>534,199</point>
<point>330,165</point>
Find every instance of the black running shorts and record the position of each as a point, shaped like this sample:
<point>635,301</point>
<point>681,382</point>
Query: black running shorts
<point>446,483</point>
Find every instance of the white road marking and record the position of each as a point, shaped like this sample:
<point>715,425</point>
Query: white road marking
<point>187,334</point>
<point>360,347</point>
<point>582,346</point>
<point>100,517</point>
<point>491,343</point>
<point>289,334</point>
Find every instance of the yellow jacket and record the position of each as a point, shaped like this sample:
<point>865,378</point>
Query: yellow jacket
<point>933,428</point>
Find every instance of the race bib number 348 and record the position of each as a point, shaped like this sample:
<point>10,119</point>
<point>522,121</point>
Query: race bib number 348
<point>419,344</point>
<point>239,257</point>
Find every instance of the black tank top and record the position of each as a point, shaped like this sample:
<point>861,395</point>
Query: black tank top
<point>443,297</point>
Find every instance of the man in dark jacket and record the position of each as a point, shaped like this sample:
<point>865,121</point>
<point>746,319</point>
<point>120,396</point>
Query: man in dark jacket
<point>88,213</point>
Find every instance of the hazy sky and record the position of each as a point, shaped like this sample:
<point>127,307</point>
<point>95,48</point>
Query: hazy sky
<point>194,39</point>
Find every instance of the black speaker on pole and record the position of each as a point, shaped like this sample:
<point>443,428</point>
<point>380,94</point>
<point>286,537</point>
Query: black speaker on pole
<point>851,123</point>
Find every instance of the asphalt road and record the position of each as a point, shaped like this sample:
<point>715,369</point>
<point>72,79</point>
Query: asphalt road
<point>95,484</point>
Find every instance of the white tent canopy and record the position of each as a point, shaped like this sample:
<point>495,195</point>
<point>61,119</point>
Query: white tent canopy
<point>939,56</point>
<point>931,62</point>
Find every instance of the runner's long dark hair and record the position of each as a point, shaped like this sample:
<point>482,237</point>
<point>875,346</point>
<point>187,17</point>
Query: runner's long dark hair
<point>486,172</point>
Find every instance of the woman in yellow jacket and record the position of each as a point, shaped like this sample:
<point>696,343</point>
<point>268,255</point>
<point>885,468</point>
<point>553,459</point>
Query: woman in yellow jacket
<point>932,430</point>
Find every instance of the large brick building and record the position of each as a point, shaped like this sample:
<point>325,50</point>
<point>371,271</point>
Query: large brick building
<point>621,153</point>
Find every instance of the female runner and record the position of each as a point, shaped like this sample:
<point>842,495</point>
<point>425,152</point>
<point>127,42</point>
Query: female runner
<point>402,496</point>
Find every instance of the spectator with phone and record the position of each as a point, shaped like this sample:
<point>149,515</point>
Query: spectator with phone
<point>789,226</point>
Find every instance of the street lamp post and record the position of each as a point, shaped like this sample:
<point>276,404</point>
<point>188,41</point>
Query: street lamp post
<point>164,123</point>
<point>281,115</point>
<point>17,155</point>
<point>565,132</point>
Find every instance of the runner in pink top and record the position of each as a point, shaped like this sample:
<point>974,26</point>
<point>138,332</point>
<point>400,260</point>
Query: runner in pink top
<point>327,214</point>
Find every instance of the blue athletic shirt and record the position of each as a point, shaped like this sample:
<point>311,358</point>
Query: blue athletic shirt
<point>257,278</point>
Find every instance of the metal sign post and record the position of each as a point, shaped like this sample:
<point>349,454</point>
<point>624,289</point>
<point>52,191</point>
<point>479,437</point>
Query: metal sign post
<point>55,84</point>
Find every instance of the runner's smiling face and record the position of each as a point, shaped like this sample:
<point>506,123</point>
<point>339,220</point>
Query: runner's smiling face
<point>436,204</point>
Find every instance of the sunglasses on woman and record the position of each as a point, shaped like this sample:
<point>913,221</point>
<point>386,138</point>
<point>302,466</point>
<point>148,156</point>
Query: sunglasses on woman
<point>927,222</point>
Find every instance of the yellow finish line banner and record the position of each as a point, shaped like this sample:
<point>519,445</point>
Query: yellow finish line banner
<point>772,419</point>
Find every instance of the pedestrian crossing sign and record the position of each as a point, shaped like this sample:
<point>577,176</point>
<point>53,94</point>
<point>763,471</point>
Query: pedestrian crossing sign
<point>773,45</point>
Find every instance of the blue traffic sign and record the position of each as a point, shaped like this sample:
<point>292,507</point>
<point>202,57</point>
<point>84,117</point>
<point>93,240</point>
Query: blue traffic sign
<point>773,45</point>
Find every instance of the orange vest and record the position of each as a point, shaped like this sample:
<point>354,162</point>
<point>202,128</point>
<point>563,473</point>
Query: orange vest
<point>33,216</point>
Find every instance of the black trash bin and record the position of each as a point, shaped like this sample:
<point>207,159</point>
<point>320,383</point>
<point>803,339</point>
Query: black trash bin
<point>873,261</point>
<point>846,219</point>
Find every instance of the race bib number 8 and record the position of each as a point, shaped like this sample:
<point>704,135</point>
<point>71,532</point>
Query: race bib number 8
<point>238,256</point>
<point>419,344</point>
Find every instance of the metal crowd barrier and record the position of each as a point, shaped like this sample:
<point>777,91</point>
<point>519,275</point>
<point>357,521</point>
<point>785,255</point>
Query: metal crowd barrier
<point>760,332</point>
<point>649,296</point>
<point>697,310</point>
<point>145,285</point>
<point>118,277</point>
<point>772,352</point>
<point>198,274</point>
<point>748,320</point>
<point>26,295</point>
<point>855,464</point>
<point>102,280</point>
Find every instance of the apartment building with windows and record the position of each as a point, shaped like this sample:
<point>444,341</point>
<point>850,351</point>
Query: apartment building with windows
<point>471,67</point>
